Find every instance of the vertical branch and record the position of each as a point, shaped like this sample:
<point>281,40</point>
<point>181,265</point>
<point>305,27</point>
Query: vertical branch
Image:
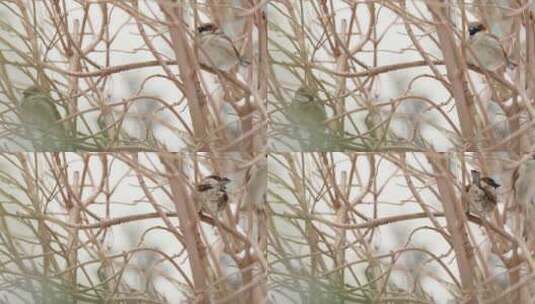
<point>32,37</point>
<point>256,145</point>
<point>530,51</point>
<point>341,237</point>
<point>456,72</point>
<point>255,197</point>
<point>455,225</point>
<point>188,221</point>
<point>72,243</point>
<point>262,74</point>
<point>74,66</point>
<point>530,69</point>
<point>44,235</point>
<point>342,68</point>
<point>187,62</point>
<point>73,206</point>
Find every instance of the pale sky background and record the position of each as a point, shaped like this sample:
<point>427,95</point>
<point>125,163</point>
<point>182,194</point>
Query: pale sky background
<point>127,47</point>
<point>127,199</point>
<point>125,85</point>
<point>396,199</point>
<point>396,47</point>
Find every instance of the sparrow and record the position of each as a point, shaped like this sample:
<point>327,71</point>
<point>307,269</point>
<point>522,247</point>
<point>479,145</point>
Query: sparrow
<point>216,49</point>
<point>482,198</point>
<point>213,194</point>
<point>42,121</point>
<point>486,50</point>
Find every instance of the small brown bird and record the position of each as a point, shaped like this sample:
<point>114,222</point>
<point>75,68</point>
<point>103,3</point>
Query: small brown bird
<point>213,194</point>
<point>216,49</point>
<point>481,194</point>
<point>486,49</point>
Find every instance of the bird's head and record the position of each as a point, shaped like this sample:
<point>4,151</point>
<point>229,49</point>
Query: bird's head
<point>305,94</point>
<point>212,182</point>
<point>490,182</point>
<point>476,27</point>
<point>207,28</point>
<point>33,90</point>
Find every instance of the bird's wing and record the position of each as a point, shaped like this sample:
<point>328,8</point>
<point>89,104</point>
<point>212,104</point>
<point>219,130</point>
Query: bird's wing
<point>491,45</point>
<point>231,43</point>
<point>219,43</point>
<point>500,49</point>
<point>489,195</point>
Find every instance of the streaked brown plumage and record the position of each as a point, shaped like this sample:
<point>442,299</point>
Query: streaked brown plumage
<point>481,194</point>
<point>213,194</point>
<point>216,49</point>
<point>486,49</point>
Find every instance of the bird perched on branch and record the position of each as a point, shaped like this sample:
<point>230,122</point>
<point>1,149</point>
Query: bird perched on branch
<point>213,194</point>
<point>486,49</point>
<point>487,52</point>
<point>482,197</point>
<point>216,49</point>
<point>42,121</point>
